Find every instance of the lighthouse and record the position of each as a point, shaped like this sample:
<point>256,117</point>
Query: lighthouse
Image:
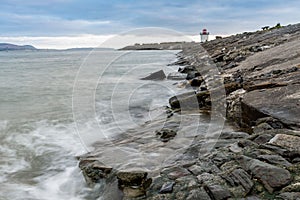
<point>204,35</point>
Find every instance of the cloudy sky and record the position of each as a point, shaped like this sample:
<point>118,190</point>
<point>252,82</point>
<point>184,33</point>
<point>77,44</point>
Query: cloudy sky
<point>75,23</point>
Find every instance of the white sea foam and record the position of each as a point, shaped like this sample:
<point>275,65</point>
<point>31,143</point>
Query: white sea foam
<point>41,163</point>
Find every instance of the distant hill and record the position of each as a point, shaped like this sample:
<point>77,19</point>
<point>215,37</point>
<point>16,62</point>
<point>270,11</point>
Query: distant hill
<point>12,47</point>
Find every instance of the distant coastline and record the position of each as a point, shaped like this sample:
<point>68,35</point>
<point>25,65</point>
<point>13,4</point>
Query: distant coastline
<point>14,47</point>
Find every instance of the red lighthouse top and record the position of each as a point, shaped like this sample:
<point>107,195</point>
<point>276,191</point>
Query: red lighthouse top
<point>204,31</point>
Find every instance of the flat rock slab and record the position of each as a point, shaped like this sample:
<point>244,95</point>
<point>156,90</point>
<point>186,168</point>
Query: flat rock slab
<point>217,192</point>
<point>272,177</point>
<point>240,177</point>
<point>275,159</point>
<point>159,75</point>
<point>289,142</point>
<point>282,103</point>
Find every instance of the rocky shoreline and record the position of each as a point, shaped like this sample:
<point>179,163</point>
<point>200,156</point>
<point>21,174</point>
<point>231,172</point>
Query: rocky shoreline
<point>259,75</point>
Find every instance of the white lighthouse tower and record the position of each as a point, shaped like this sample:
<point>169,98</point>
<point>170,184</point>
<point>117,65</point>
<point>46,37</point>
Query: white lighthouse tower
<point>204,35</point>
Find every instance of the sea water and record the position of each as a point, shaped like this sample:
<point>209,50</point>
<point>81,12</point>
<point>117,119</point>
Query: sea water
<point>43,124</point>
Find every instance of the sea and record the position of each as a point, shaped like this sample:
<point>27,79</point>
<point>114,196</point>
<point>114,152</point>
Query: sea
<point>55,104</point>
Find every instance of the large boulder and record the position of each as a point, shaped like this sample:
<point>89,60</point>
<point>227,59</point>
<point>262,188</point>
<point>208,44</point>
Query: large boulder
<point>272,177</point>
<point>289,142</point>
<point>281,103</point>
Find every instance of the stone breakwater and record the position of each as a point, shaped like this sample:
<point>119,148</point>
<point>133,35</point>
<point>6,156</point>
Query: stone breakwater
<point>260,72</point>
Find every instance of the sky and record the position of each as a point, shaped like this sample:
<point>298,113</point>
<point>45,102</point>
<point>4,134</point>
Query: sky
<point>78,23</point>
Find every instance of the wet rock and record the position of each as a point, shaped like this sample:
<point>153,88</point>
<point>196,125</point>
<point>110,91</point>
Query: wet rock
<point>186,163</point>
<point>210,178</point>
<point>246,143</point>
<point>209,167</point>
<point>254,152</point>
<point>93,170</point>
<point>275,159</point>
<point>174,172</point>
<point>190,101</point>
<point>175,100</point>
<point>196,170</point>
<point>176,76</point>
<point>206,178</point>
<point>159,75</point>
<point>239,177</point>
<point>261,128</point>
<point>166,134</point>
<point>192,74</point>
<point>131,178</point>
<point>231,87</point>
<point>289,142</point>
<point>289,196</point>
<point>272,177</point>
<point>275,149</point>
<point>167,187</point>
<point>133,184</point>
<point>274,123</point>
<point>187,69</point>
<point>217,192</point>
<point>235,148</point>
<point>196,82</point>
<point>217,144</point>
<point>233,135</point>
<point>281,103</point>
<point>249,113</point>
<point>262,139</point>
<point>180,61</point>
<point>220,158</point>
